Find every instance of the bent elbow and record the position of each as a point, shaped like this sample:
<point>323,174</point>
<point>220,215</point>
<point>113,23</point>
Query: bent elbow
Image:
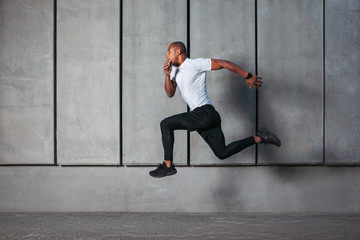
<point>170,95</point>
<point>169,92</point>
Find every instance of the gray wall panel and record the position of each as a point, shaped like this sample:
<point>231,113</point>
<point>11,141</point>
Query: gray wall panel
<point>26,82</point>
<point>150,26</point>
<point>197,189</point>
<point>225,30</point>
<point>88,82</point>
<point>290,59</point>
<point>342,84</point>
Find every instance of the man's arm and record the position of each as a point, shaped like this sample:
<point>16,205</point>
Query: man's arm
<point>170,86</point>
<point>217,64</point>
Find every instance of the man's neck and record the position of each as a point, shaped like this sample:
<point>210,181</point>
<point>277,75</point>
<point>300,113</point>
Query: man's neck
<point>181,60</point>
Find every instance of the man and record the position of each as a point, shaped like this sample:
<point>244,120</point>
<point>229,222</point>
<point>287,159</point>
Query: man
<point>190,76</point>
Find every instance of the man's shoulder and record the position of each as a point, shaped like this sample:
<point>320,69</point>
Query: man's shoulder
<point>197,61</point>
<point>200,64</point>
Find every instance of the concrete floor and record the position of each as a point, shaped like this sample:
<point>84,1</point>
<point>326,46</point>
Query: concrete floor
<point>178,226</point>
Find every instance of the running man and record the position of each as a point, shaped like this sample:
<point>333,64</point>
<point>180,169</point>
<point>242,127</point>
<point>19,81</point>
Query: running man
<point>190,76</point>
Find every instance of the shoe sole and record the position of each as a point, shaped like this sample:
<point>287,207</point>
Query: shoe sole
<point>166,175</point>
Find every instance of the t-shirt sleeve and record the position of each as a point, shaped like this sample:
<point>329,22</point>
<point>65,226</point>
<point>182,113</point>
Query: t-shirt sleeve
<point>173,73</point>
<point>202,64</point>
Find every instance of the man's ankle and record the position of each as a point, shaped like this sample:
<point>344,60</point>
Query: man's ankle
<point>168,163</point>
<point>257,139</point>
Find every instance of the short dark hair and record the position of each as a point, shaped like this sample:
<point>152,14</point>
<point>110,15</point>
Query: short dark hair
<point>180,45</point>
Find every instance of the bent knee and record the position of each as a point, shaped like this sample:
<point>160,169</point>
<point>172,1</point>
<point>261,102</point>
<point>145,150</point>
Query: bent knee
<point>164,124</point>
<point>221,156</point>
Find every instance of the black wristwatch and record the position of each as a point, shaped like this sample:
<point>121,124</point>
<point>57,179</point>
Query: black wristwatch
<point>249,75</point>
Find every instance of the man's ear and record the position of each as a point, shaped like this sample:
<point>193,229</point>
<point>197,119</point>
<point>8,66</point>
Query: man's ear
<point>178,51</point>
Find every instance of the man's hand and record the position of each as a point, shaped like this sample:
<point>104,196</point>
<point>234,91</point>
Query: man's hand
<point>170,86</point>
<point>167,67</point>
<point>254,81</point>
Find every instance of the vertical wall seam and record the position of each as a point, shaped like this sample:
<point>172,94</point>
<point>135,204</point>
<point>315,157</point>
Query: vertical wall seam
<point>324,73</point>
<point>256,92</point>
<point>188,27</point>
<point>188,53</point>
<point>55,80</point>
<point>120,82</point>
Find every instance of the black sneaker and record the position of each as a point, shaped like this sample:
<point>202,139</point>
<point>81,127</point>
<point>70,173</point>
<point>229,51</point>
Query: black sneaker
<point>268,137</point>
<point>162,171</point>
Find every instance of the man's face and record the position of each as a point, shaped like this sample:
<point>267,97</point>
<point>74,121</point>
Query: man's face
<point>171,54</point>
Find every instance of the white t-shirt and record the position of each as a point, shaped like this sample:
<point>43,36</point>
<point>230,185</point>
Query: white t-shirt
<point>190,77</point>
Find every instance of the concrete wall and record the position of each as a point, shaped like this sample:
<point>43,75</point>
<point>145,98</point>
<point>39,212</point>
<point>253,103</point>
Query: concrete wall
<point>88,82</point>
<point>235,102</point>
<point>290,57</point>
<point>146,34</point>
<point>192,189</point>
<point>26,82</point>
<point>81,83</point>
<point>342,54</point>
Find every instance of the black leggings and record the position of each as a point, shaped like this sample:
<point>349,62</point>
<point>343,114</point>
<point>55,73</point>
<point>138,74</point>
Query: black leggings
<point>207,122</point>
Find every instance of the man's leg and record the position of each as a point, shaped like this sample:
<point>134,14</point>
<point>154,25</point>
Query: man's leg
<point>216,140</point>
<point>191,121</point>
<point>199,118</point>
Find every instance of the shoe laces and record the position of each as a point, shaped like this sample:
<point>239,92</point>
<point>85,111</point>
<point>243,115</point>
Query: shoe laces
<point>161,166</point>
